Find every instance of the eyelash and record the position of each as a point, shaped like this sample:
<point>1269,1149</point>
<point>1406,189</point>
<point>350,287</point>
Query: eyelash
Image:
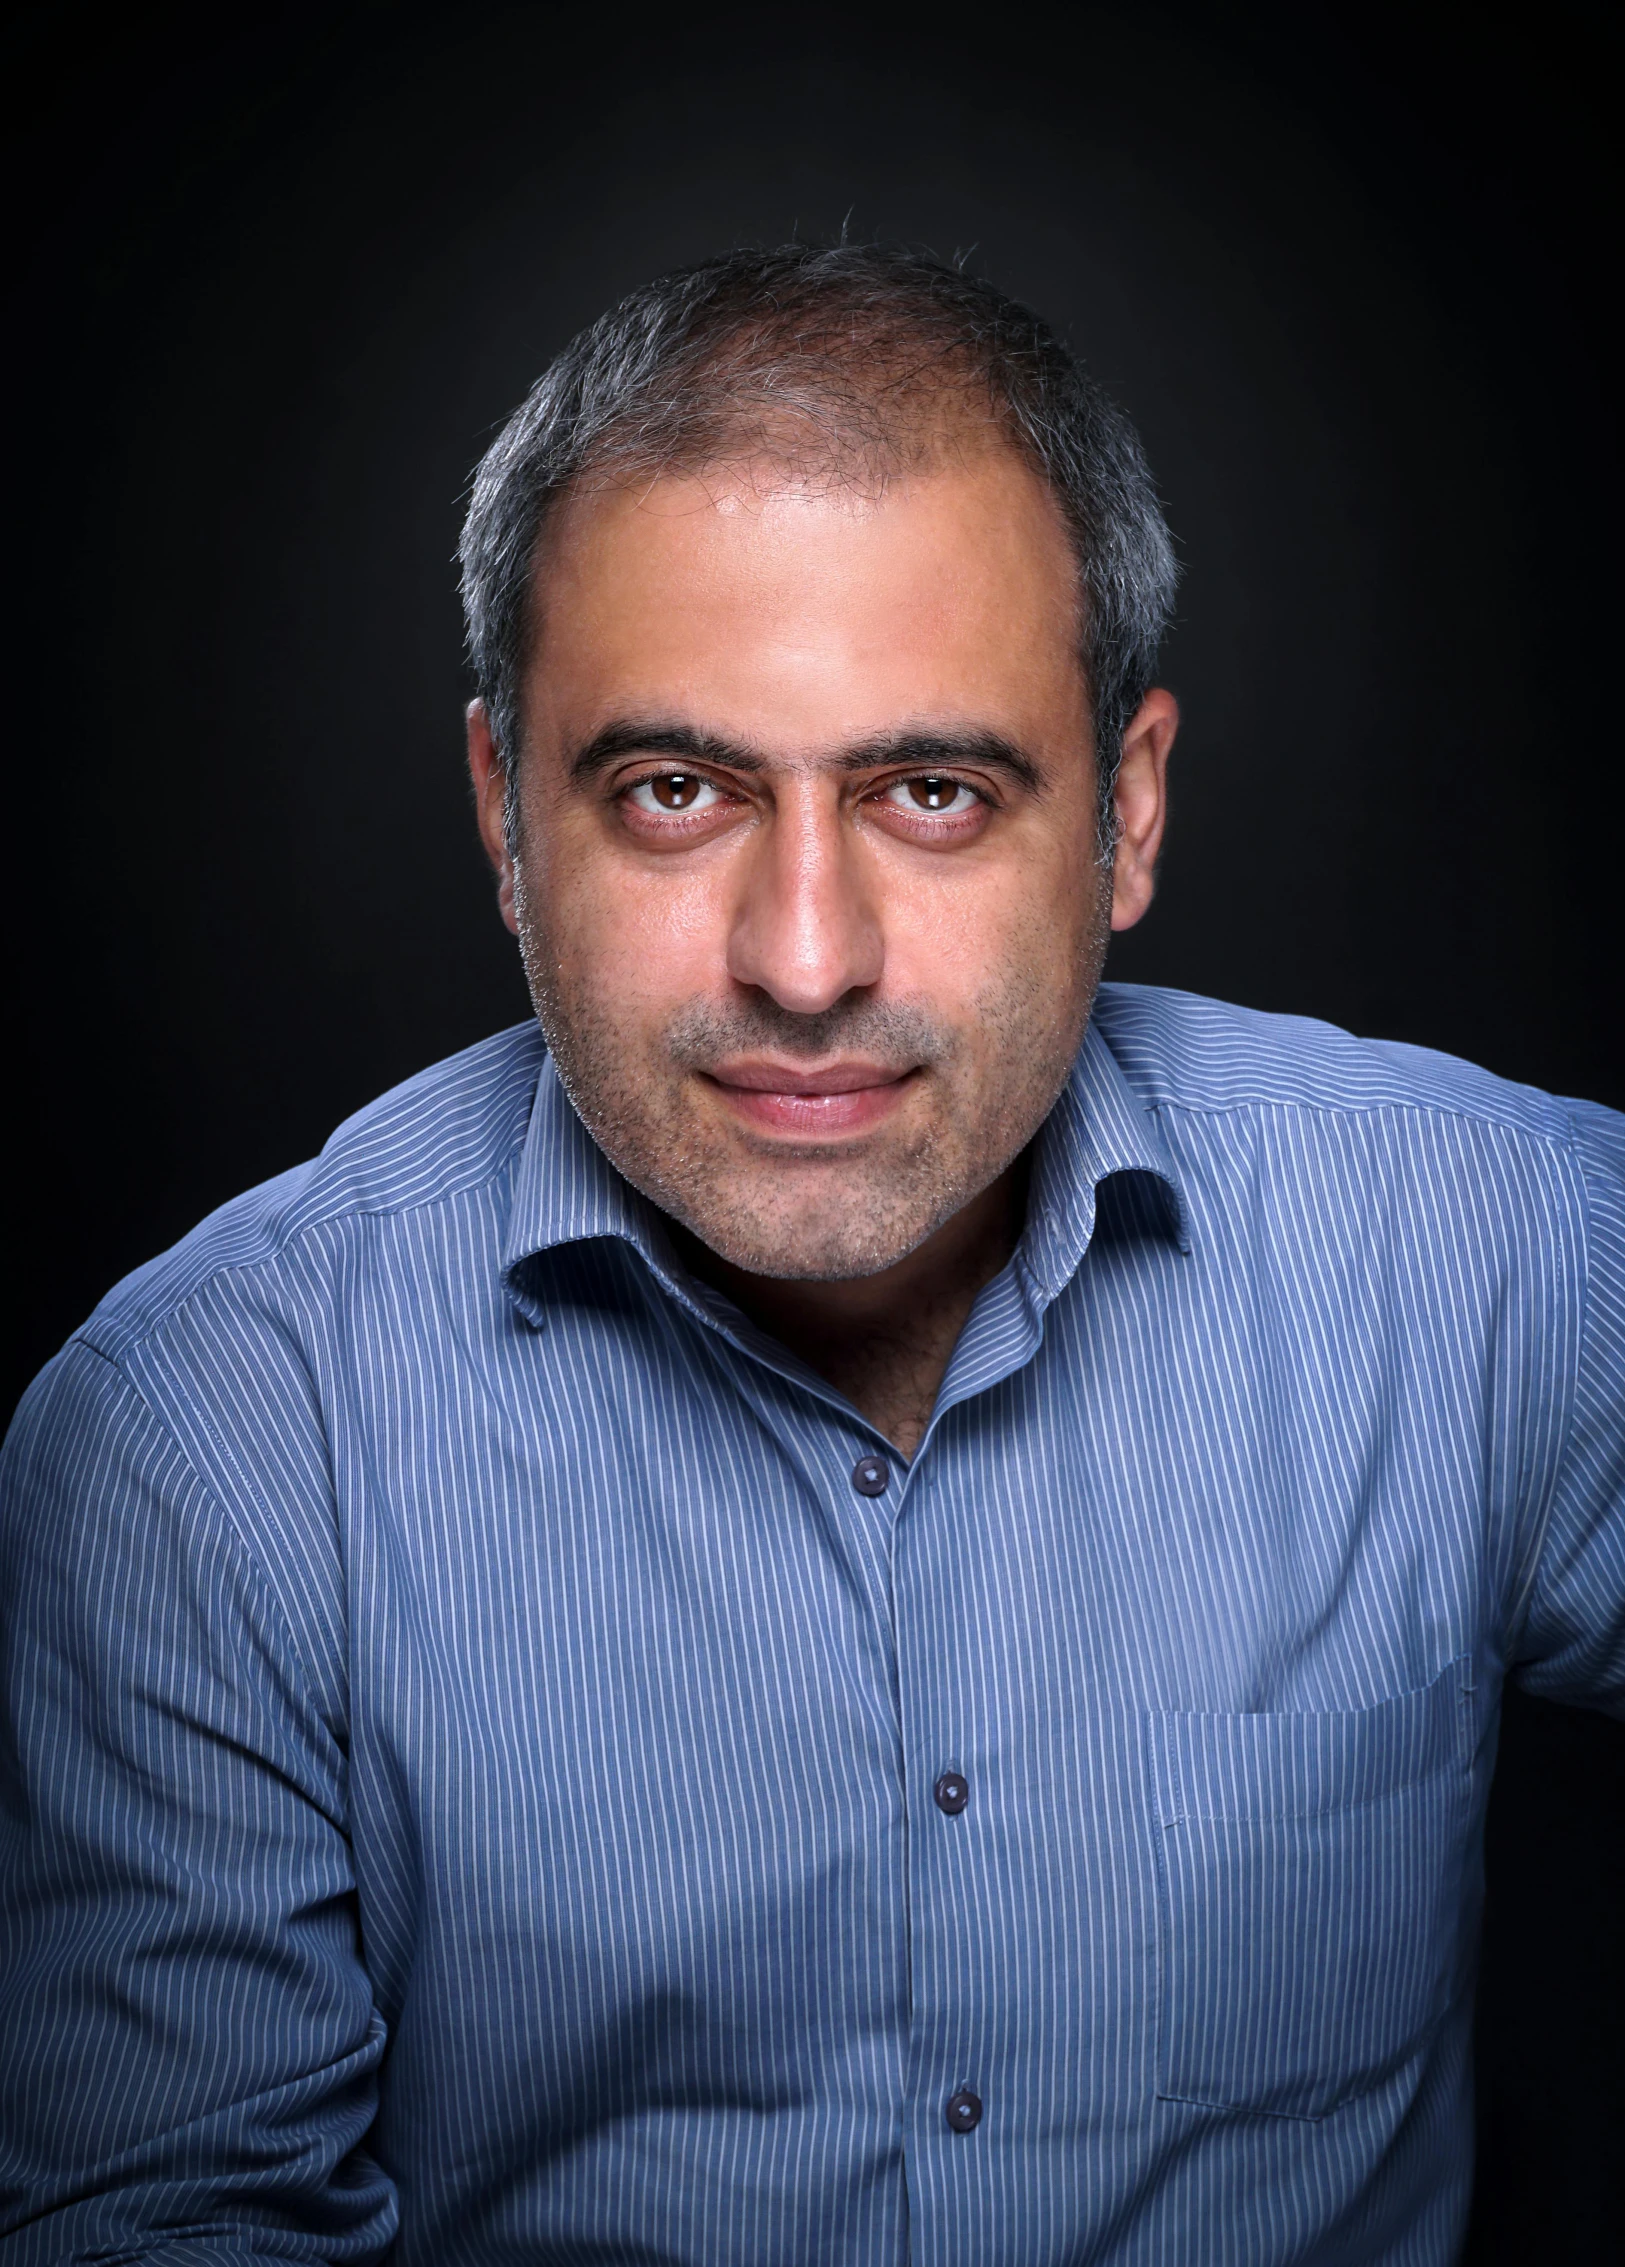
<point>922,812</point>
<point>891,788</point>
<point>636,786</point>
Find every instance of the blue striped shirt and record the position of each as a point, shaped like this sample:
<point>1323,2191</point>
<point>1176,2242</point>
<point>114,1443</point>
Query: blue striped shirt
<point>473,1770</point>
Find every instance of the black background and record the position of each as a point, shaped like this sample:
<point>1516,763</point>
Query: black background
<point>281,274</point>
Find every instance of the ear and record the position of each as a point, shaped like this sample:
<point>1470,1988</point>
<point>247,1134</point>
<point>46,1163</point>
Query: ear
<point>1140,798</point>
<point>490,806</point>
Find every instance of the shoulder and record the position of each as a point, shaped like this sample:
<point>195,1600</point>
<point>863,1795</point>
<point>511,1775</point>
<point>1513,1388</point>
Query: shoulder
<point>453,1129</point>
<point>1181,1052</point>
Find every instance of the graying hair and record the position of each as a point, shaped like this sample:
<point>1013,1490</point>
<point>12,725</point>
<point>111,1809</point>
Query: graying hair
<point>838,359</point>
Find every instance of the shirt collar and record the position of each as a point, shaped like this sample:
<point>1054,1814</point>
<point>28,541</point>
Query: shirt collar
<point>567,1191</point>
<point>1097,1129</point>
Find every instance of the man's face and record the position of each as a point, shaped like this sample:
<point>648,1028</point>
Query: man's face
<point>807,881</point>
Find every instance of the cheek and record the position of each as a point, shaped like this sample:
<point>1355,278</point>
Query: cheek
<point>1017,921</point>
<point>628,932</point>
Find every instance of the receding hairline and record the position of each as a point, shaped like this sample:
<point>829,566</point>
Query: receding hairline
<point>938,441</point>
<point>830,401</point>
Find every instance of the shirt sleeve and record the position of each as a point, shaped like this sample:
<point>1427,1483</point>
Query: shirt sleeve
<point>1572,1643</point>
<point>191,2044</point>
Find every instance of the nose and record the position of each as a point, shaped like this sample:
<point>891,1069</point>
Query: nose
<point>805,929</point>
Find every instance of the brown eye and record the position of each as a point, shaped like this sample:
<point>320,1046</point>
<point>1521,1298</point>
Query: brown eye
<point>934,793</point>
<point>673,794</point>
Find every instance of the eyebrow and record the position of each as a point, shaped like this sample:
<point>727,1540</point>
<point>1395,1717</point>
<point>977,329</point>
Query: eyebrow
<point>944,751</point>
<point>928,750</point>
<point>637,736</point>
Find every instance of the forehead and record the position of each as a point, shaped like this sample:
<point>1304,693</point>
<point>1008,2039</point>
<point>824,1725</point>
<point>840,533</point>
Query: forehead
<point>797,613</point>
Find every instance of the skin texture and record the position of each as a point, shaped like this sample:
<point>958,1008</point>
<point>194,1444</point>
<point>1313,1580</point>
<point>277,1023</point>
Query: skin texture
<point>808,883</point>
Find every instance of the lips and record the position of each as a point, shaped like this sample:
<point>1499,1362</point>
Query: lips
<point>839,1098</point>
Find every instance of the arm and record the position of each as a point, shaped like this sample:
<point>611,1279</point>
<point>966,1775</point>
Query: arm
<point>1572,1642</point>
<point>191,2046</point>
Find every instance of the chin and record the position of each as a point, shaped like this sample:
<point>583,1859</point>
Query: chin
<point>819,1249</point>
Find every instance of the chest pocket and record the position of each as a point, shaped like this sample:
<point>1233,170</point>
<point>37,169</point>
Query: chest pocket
<point>1311,1876</point>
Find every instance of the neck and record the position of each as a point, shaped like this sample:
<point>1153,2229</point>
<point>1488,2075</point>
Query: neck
<point>885,1340</point>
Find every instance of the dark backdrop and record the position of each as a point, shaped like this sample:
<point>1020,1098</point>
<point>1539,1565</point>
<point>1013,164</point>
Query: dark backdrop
<point>281,273</point>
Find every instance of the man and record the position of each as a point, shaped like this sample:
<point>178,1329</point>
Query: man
<point>849,1605</point>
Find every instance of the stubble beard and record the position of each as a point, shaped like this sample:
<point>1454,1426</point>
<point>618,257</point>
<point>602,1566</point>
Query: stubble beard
<point>824,1213</point>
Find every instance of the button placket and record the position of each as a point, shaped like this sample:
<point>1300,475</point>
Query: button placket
<point>945,1902</point>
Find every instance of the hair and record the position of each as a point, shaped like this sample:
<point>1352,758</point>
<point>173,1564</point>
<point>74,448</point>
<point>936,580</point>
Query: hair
<point>845,362</point>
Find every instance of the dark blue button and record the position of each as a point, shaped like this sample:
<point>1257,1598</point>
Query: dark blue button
<point>951,1792</point>
<point>964,2110</point>
<point>871,1475</point>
